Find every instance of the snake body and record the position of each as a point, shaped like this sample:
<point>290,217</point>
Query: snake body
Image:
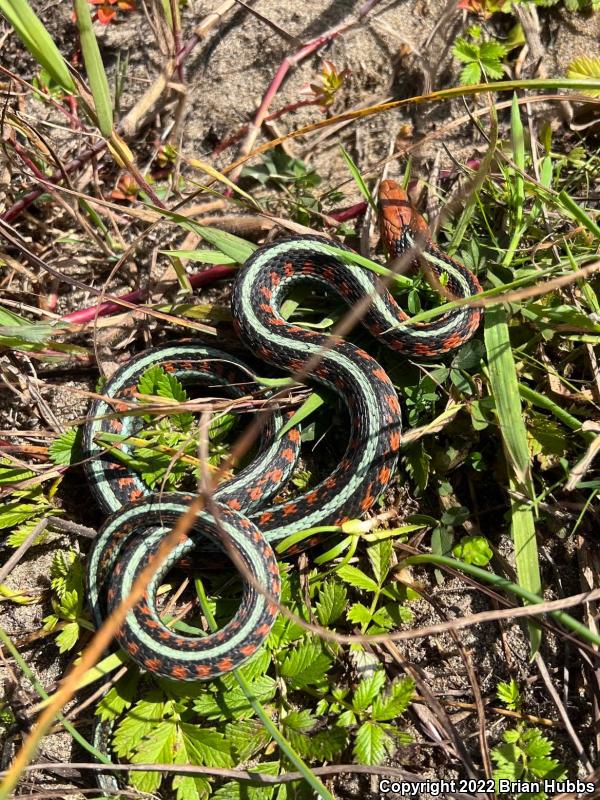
<point>138,520</point>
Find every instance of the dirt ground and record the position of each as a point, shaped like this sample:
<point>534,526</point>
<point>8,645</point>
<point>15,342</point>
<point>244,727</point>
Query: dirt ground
<point>397,50</point>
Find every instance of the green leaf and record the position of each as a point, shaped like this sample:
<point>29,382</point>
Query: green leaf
<point>308,407</point>
<point>465,51</point>
<point>492,51</point>
<point>16,512</point>
<point>470,74</point>
<point>119,697</point>
<point>357,578</point>
<point>68,637</point>
<point>473,550</point>
<point>324,745</point>
<point>191,787</point>
<point>505,390</point>
<point>94,68</point>
<point>367,690</point>
<point>331,603</point>
<point>358,178</point>
<point>10,475</point>
<point>509,694</point>
<point>305,664</point>
<point>232,703</point>
<point>66,449</point>
<point>236,790</point>
<point>359,614</point>
<point>417,461</point>
<point>156,748</point>
<point>395,702</point>
<point>380,556</point>
<point>140,720</point>
<point>155,381</point>
<point>585,67</point>
<point>247,737</point>
<point>372,744</point>
<point>239,250</point>
<point>205,746</point>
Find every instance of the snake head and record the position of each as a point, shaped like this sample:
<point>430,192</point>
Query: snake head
<point>399,221</point>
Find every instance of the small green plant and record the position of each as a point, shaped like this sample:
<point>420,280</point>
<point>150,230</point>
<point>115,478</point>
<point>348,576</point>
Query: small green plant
<point>164,451</point>
<point>525,754</point>
<point>473,550</point>
<point>67,581</point>
<point>481,58</point>
<point>26,507</point>
<point>297,182</point>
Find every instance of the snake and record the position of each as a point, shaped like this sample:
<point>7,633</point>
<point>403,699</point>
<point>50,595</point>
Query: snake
<point>244,516</point>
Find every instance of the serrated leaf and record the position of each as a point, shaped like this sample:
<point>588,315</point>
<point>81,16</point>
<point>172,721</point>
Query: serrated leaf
<point>380,557</point>
<point>205,746</point>
<point>359,614</point>
<point>140,720</point>
<point>300,721</point>
<point>582,68</point>
<point>465,51</point>
<point>233,703</point>
<point>68,637</point>
<point>191,787</point>
<point>470,74</point>
<point>509,694</point>
<point>325,745</point>
<point>157,748</point>
<point>357,578</point>
<point>236,790</point>
<point>16,512</point>
<point>395,702</point>
<point>248,737</point>
<point>305,664</point>
<point>332,602</point>
<point>66,449</point>
<point>367,690</point>
<point>372,744</point>
<point>492,51</point>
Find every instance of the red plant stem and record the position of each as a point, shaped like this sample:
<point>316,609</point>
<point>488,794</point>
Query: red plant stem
<point>351,212</point>
<point>10,214</point>
<point>85,315</point>
<point>235,137</point>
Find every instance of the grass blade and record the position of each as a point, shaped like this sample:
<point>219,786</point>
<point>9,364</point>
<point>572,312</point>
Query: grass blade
<point>358,178</point>
<point>38,41</point>
<point>505,390</point>
<point>95,68</point>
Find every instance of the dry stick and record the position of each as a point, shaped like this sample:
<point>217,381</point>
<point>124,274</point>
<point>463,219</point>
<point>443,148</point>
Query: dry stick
<point>288,63</point>
<point>242,774</point>
<point>581,754</point>
<point>23,548</point>
<point>468,662</point>
<point>432,701</point>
